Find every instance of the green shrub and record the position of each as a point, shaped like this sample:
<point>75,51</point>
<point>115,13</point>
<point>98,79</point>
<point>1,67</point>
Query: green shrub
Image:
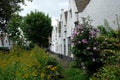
<point>35,64</point>
<point>111,70</point>
<point>4,49</point>
<point>107,73</point>
<point>108,43</point>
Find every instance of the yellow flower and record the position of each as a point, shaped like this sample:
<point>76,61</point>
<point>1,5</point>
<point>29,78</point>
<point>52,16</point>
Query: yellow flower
<point>42,75</point>
<point>34,73</point>
<point>49,66</point>
<point>53,68</point>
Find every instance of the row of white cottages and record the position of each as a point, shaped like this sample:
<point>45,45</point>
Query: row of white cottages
<point>97,10</point>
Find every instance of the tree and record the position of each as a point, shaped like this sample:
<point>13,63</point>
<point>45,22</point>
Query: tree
<point>7,9</point>
<point>13,28</point>
<point>38,28</point>
<point>16,34</point>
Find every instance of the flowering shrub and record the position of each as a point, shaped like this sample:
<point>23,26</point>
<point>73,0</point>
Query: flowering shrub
<point>85,47</point>
<point>52,71</point>
<point>20,64</point>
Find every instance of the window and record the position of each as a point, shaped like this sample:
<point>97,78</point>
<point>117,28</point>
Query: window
<point>71,13</point>
<point>64,47</point>
<point>69,46</point>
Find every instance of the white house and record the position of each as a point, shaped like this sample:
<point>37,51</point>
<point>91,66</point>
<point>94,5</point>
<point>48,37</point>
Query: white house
<point>4,40</point>
<point>55,39</point>
<point>97,10</point>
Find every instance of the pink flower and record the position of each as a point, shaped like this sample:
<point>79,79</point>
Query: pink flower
<point>79,27</point>
<point>73,44</point>
<point>79,41</point>
<point>74,34</point>
<point>84,41</point>
<point>92,32</point>
<point>82,31</point>
<point>72,38</point>
<point>94,48</point>
<point>77,33</point>
<point>97,30</point>
<point>83,67</point>
<point>88,48</point>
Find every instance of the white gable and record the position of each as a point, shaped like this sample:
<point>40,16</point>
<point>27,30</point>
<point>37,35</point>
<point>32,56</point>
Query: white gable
<point>98,10</point>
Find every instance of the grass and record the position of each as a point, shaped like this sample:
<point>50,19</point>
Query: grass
<point>69,72</point>
<point>74,73</point>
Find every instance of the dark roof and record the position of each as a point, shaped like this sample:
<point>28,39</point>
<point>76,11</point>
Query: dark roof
<point>81,4</point>
<point>66,13</point>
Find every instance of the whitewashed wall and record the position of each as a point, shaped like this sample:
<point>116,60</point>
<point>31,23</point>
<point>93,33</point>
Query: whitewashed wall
<point>98,10</point>
<point>71,20</point>
<point>53,48</point>
<point>56,40</point>
<point>7,43</point>
<point>63,33</point>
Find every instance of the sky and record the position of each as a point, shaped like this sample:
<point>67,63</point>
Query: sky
<point>51,7</point>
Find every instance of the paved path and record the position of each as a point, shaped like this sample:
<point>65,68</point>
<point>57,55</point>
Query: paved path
<point>64,63</point>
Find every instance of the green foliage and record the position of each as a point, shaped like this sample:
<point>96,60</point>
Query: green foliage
<point>109,51</point>
<point>106,32</point>
<point>86,47</point>
<point>7,9</point>
<point>52,71</point>
<point>109,41</point>
<point>75,74</point>
<point>111,71</point>
<point>16,34</point>
<point>38,28</point>
<point>13,28</point>
<point>28,65</point>
<point>4,49</point>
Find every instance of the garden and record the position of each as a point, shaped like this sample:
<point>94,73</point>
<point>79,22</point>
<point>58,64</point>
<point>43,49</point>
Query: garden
<point>96,52</point>
<point>96,49</point>
<point>34,64</point>
<point>96,57</point>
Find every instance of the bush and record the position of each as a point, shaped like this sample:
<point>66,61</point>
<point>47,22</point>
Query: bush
<point>52,70</point>
<point>28,46</point>
<point>111,70</point>
<point>4,49</point>
<point>109,42</point>
<point>28,65</point>
<point>85,47</point>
